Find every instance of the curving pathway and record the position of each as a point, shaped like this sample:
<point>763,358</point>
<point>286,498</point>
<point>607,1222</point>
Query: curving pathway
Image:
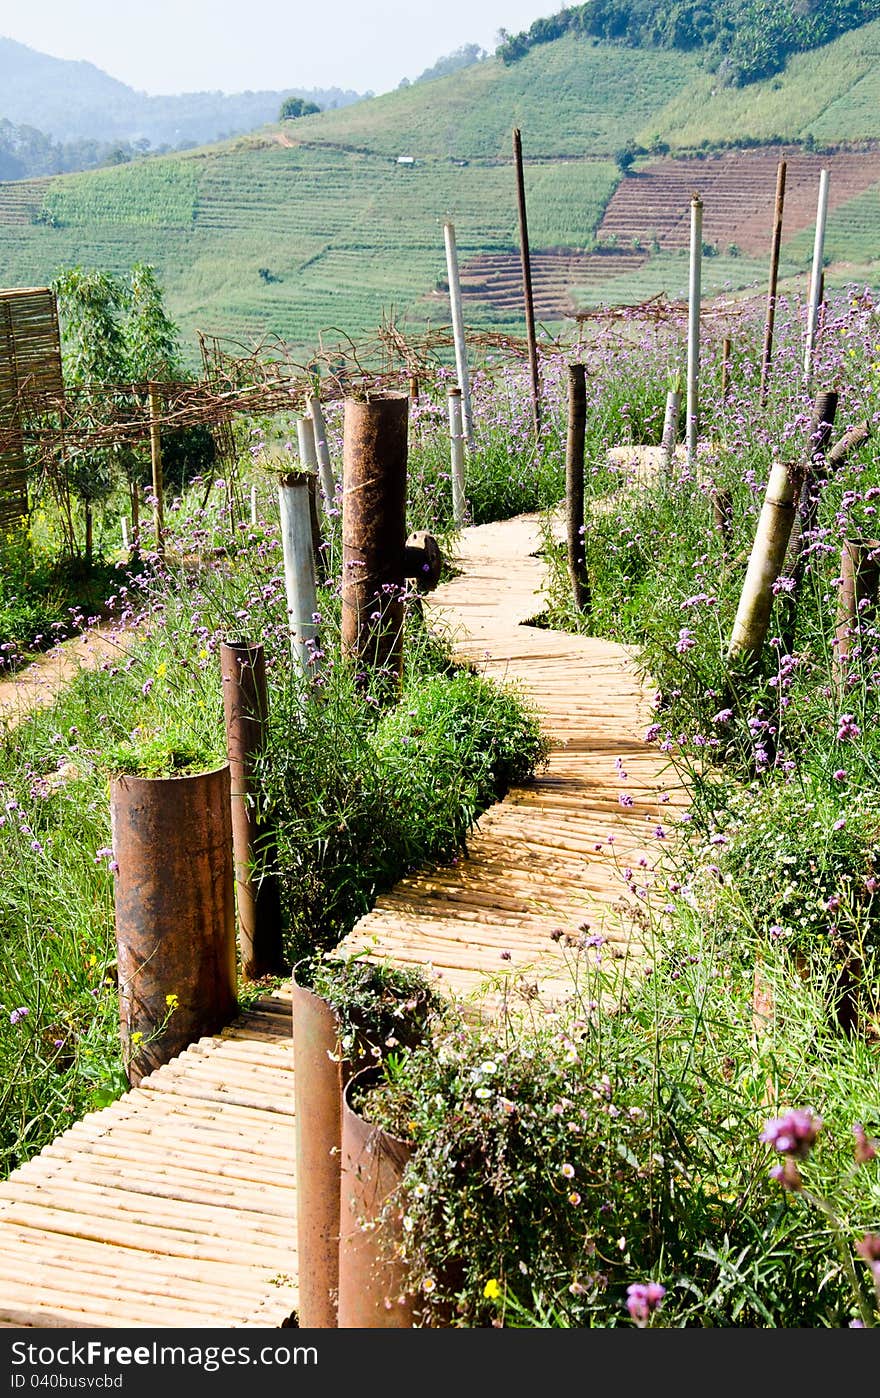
<point>176,1205</point>
<point>563,850</point>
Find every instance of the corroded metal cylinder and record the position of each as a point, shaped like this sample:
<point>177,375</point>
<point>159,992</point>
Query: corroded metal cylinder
<point>175,913</point>
<point>319,1072</point>
<point>371,1279</point>
<point>245,707</point>
<point>856,600</point>
<point>374,529</point>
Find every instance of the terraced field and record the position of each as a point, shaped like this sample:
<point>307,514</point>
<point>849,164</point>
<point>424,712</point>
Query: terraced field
<point>314,229</point>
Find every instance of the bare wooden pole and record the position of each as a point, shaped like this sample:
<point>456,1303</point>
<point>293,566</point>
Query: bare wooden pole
<point>322,449</point>
<point>856,602</point>
<point>693,359</point>
<point>156,461</point>
<point>767,352</point>
<point>816,275</point>
<point>527,280</point>
<point>725,366</point>
<point>574,486</point>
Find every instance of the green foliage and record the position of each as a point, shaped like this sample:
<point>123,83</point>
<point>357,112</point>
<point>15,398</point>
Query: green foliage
<point>378,1006</point>
<point>745,39</point>
<point>293,107</point>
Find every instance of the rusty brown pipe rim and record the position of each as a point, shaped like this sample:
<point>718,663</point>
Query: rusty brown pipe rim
<point>372,1287</point>
<point>175,913</point>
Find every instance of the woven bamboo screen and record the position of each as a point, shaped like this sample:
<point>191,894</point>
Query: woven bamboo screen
<point>30,376</point>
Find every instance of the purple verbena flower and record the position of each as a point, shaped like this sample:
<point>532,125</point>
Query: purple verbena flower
<point>794,1133</point>
<point>643,1299</point>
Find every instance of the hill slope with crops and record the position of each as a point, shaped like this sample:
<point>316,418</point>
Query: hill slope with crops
<point>317,227</point>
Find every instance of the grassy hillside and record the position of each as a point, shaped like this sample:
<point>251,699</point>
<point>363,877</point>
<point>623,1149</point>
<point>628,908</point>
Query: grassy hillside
<point>314,227</point>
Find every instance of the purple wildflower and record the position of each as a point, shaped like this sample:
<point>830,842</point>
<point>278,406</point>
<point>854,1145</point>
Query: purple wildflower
<point>794,1133</point>
<point>21,1013</point>
<point>865,1148</point>
<point>642,1299</point>
<point>847,728</point>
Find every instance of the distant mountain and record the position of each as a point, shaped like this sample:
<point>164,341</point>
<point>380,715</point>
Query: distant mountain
<point>73,101</point>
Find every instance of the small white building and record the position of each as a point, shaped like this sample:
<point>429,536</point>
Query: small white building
<point>406,160</point>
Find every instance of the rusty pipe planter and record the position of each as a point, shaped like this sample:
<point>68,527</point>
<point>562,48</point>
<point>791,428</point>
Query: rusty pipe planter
<point>374,530</point>
<point>320,1073</point>
<point>175,913</point>
<point>372,1288</point>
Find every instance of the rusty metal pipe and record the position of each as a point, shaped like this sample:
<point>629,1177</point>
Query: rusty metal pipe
<point>175,913</point>
<point>246,708</point>
<point>374,530</point>
<point>371,1280</point>
<point>318,1075</point>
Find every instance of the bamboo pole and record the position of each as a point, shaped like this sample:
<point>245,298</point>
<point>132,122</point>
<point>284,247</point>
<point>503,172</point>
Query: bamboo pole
<point>693,354</point>
<point>299,572</point>
<point>461,364</point>
<point>156,462</point>
<point>322,450</point>
<point>124,524</point>
<point>456,456</point>
<point>766,560</point>
<point>253,504</point>
<point>574,487</point>
<point>776,240</point>
<point>670,428</point>
<point>816,276</point>
<point>527,280</point>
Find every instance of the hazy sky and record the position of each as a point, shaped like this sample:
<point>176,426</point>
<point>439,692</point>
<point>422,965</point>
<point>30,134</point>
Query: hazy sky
<point>161,46</point>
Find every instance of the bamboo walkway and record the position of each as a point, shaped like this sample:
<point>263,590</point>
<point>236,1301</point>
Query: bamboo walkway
<point>577,845</point>
<point>175,1206</point>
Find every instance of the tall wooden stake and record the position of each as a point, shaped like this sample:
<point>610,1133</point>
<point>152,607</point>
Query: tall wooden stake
<point>527,280</point>
<point>461,364</point>
<point>574,486</point>
<point>156,460</point>
<point>816,276</point>
<point>726,347</point>
<point>767,352</point>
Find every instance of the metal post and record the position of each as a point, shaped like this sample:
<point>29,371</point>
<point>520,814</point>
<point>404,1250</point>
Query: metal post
<point>374,530</point>
<point>322,450</point>
<point>767,352</point>
<point>457,456</point>
<point>574,486</point>
<point>156,460</point>
<point>527,280</point>
<point>245,708</point>
<point>124,523</point>
<point>693,360</point>
<point>299,572</point>
<point>461,363</point>
<point>816,275</point>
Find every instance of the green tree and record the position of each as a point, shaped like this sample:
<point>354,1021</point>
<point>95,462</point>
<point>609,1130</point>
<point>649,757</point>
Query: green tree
<point>296,107</point>
<point>94,358</point>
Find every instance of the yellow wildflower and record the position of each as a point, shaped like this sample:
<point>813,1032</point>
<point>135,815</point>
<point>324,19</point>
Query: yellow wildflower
<point>492,1290</point>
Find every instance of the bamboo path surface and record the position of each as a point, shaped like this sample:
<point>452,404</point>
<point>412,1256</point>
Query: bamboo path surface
<point>562,851</point>
<point>175,1206</point>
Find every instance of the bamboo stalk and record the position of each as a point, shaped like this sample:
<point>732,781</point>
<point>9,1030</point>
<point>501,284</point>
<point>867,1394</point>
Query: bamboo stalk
<point>461,363</point>
<point>693,355</point>
<point>457,456</point>
<point>816,276</point>
<point>574,487</point>
<point>156,462</point>
<point>765,562</point>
